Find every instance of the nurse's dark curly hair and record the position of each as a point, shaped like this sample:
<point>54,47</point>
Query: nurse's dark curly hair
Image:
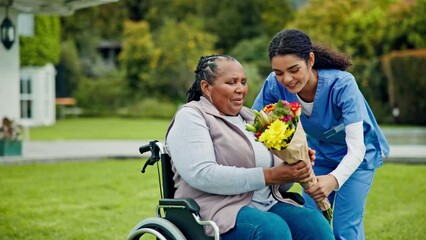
<point>292,41</point>
<point>208,70</point>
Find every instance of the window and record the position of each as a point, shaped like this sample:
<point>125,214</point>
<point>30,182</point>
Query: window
<point>26,97</point>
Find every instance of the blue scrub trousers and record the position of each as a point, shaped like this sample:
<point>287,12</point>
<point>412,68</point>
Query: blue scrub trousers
<point>282,221</point>
<point>348,203</point>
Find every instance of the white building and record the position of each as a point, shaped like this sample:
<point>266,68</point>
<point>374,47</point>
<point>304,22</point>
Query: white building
<point>31,101</point>
<point>37,95</point>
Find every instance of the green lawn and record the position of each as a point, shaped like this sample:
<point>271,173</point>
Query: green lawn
<point>396,207</point>
<point>78,200</point>
<point>102,128</point>
<point>105,199</point>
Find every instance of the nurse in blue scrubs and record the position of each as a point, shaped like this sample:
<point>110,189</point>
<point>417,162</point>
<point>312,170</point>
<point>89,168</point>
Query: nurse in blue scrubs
<point>338,121</point>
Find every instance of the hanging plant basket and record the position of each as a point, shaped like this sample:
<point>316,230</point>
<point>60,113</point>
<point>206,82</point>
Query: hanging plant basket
<point>10,141</point>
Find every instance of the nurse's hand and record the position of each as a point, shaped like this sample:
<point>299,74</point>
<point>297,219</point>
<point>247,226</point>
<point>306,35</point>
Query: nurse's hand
<point>326,184</point>
<point>312,155</point>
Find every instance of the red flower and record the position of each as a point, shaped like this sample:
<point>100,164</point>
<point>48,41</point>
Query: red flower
<point>295,107</point>
<point>257,135</point>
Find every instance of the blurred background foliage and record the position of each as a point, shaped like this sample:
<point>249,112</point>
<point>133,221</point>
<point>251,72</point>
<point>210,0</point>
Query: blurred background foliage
<point>136,57</point>
<point>45,47</point>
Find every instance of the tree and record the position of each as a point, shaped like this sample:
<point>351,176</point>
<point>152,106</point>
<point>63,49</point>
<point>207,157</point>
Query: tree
<point>275,15</point>
<point>139,57</point>
<point>231,21</point>
<point>234,21</point>
<point>181,45</point>
<point>137,9</point>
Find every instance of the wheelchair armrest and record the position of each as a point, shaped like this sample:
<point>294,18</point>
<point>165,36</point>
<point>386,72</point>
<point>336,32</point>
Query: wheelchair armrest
<point>188,203</point>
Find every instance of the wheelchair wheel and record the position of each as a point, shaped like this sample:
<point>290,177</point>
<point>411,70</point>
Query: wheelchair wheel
<point>161,228</point>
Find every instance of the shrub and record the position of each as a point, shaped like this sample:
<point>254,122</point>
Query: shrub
<point>407,84</point>
<point>150,108</point>
<point>102,96</point>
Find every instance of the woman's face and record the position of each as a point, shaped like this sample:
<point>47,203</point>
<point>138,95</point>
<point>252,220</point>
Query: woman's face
<point>292,71</point>
<point>229,88</point>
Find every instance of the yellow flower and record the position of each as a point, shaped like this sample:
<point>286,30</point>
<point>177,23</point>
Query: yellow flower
<point>275,136</point>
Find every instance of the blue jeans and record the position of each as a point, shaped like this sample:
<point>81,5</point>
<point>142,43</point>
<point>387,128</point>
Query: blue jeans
<point>348,203</point>
<point>282,221</point>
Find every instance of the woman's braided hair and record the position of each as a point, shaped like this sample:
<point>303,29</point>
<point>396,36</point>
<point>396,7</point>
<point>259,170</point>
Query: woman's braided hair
<point>207,69</point>
<point>292,41</point>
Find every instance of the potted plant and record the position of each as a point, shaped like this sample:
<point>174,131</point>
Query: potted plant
<point>10,142</point>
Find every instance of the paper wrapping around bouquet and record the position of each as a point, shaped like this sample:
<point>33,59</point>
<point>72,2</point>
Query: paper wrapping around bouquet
<point>297,149</point>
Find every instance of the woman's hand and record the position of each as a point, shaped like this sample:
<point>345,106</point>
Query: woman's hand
<point>326,184</point>
<point>284,173</point>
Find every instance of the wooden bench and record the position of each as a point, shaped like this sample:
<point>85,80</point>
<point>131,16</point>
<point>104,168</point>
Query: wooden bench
<point>67,106</point>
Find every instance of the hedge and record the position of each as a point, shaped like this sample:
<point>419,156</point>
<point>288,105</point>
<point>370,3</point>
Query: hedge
<point>405,71</point>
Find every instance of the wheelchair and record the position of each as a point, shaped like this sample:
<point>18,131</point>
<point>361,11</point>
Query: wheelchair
<point>177,219</point>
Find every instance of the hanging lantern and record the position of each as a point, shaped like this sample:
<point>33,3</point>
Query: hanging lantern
<point>7,31</point>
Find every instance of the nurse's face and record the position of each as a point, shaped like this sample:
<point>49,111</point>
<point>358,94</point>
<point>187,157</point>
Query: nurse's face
<point>292,71</point>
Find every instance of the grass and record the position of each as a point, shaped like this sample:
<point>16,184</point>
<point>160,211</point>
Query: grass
<point>105,199</point>
<point>102,128</point>
<point>396,206</point>
<point>89,200</point>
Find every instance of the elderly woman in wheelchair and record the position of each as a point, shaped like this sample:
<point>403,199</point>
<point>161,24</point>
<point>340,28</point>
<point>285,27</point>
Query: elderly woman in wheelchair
<point>222,178</point>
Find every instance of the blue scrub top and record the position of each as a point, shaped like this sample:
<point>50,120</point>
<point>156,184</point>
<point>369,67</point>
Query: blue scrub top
<point>338,102</point>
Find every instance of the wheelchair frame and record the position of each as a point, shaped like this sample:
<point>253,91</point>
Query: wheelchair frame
<point>177,219</point>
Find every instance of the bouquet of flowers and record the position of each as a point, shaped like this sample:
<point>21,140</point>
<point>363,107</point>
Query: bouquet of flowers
<point>279,128</point>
